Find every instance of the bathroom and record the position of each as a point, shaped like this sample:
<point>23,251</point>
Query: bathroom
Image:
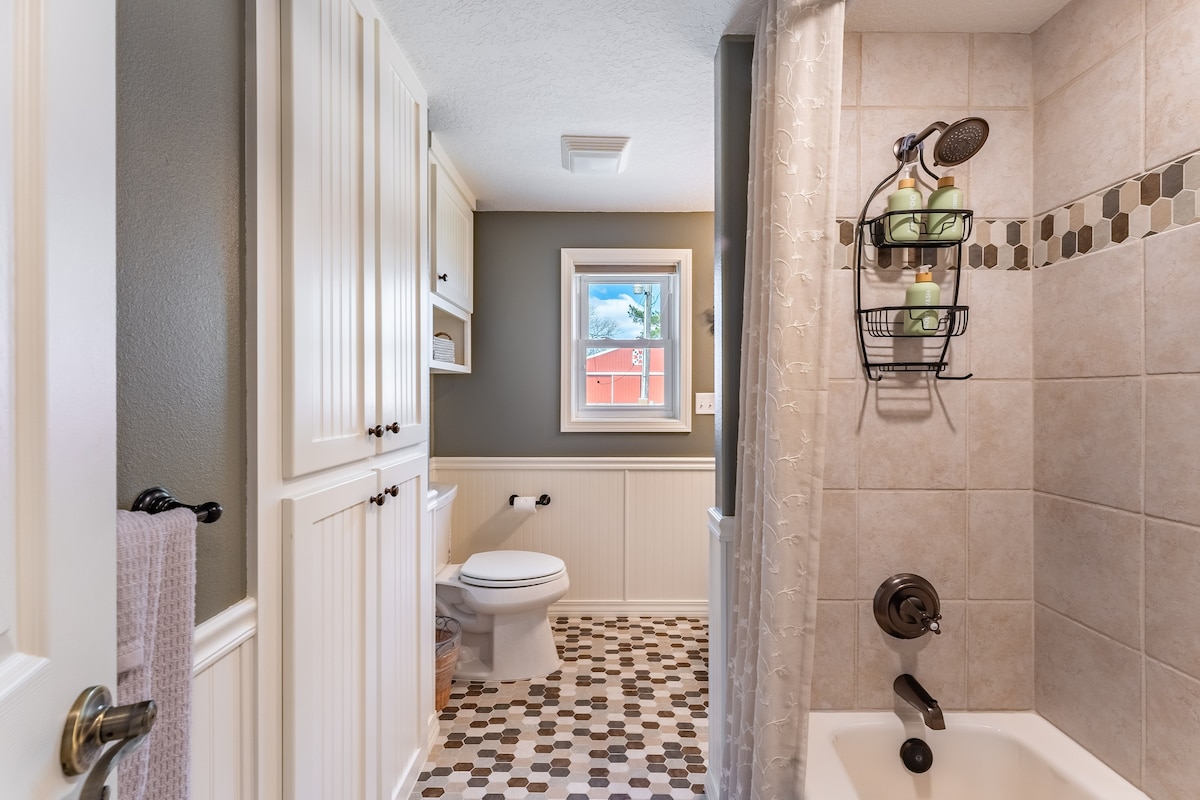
<point>1046,497</point>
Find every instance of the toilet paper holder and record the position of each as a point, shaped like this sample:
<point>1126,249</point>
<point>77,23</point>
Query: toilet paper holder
<point>543,500</point>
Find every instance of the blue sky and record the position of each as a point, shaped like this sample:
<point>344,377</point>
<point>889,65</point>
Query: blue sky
<point>611,301</point>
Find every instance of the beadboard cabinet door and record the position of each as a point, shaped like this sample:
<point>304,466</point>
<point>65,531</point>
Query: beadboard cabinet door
<point>329,699</point>
<point>329,242</point>
<point>453,260</point>
<point>403,625</point>
<point>401,249</point>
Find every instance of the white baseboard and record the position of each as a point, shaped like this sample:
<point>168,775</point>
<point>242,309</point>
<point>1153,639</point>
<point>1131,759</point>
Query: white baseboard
<point>630,608</point>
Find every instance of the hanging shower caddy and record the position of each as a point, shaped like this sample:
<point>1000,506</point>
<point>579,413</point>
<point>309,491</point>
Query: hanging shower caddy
<point>926,351</point>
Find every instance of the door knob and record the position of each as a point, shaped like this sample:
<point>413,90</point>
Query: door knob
<point>92,723</point>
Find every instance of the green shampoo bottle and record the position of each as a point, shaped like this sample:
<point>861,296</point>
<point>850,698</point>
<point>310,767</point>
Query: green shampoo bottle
<point>905,227</point>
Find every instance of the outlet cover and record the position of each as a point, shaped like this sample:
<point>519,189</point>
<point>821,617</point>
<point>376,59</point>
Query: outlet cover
<point>706,403</point>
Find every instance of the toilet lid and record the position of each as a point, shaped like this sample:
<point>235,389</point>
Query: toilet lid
<point>498,568</point>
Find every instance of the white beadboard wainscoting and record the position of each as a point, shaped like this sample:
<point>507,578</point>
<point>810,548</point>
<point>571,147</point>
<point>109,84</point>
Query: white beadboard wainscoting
<point>223,707</point>
<point>631,530</point>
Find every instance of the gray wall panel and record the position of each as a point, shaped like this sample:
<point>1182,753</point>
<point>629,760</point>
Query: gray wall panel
<point>181,391</point>
<point>509,404</point>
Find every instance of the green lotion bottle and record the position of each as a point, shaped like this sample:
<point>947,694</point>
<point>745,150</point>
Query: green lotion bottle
<point>922,321</point>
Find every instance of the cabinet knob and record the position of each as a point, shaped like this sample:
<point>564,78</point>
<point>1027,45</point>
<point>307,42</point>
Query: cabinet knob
<point>379,499</point>
<point>394,427</point>
<point>376,431</point>
<point>393,490</point>
<point>445,276</point>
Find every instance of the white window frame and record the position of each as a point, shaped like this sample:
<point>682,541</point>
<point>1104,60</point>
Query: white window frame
<point>674,415</point>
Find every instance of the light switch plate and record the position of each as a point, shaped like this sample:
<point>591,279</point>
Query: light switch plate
<point>706,403</point>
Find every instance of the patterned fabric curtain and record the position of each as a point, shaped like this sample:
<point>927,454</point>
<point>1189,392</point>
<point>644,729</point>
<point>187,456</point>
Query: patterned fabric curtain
<point>785,346</point>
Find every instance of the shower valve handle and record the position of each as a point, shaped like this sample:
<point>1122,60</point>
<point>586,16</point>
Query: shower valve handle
<point>915,611</point>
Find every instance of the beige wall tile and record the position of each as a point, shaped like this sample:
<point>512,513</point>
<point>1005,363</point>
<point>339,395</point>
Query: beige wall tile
<point>1087,440</point>
<point>1157,11</point>
<point>851,67</point>
<point>1001,323</point>
<point>1000,656</point>
<point>1173,447</point>
<point>909,69</point>
<point>838,578</point>
<point>921,532</point>
<point>914,436</point>
<point>842,440</point>
<point>1172,74</point>
<point>1087,563</point>
<point>1000,546</point>
<point>1090,687</point>
<point>844,359</point>
<point>1087,315</point>
<point>834,657</point>
<point>1172,300</point>
<point>1002,172</point>
<point>1089,135</point>
<point>1172,734</point>
<point>1173,595</point>
<point>1001,70</point>
<point>1078,38</point>
<point>850,193</point>
<point>938,662</point>
<point>1000,448</point>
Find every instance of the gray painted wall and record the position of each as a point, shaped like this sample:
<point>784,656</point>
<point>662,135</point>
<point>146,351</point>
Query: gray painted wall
<point>735,59</point>
<point>509,404</point>
<point>181,389</point>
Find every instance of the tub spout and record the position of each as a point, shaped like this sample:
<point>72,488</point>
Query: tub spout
<point>910,690</point>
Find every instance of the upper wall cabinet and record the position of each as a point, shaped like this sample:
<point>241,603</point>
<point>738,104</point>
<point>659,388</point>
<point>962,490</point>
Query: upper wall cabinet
<point>453,261</point>
<point>355,179</point>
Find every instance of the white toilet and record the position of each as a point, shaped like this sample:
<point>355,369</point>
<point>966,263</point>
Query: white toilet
<point>501,598</point>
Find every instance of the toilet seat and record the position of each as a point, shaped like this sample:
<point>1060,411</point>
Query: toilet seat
<point>500,569</point>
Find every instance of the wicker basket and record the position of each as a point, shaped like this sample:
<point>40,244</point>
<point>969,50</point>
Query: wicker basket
<point>448,639</point>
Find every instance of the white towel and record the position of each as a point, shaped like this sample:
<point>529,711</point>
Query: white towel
<point>156,589</point>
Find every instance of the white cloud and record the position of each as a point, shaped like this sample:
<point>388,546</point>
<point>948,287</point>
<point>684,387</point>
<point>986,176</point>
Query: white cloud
<point>616,311</point>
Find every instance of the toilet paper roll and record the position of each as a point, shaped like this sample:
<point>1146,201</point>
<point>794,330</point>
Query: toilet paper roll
<point>524,505</point>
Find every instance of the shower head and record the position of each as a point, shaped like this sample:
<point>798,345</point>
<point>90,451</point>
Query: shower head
<point>958,142</point>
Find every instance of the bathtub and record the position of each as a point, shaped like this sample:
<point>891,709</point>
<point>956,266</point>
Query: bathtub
<point>980,756</point>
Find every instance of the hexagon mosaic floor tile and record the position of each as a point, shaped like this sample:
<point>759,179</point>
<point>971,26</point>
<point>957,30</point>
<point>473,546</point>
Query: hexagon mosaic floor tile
<point>624,719</point>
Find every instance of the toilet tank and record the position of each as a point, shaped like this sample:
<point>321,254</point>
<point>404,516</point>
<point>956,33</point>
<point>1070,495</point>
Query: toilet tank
<point>441,504</point>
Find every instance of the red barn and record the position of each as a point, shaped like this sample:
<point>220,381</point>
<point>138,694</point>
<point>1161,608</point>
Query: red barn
<point>614,377</point>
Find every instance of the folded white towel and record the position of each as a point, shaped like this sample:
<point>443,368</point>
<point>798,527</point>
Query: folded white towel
<point>155,652</point>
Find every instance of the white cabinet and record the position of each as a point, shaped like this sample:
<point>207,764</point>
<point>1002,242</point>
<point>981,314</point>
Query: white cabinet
<point>358,635</point>
<point>452,261</point>
<point>355,182</point>
<point>355,566</point>
<point>453,209</point>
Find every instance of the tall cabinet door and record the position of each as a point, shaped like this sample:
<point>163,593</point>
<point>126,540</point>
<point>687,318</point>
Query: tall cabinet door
<point>401,248</point>
<point>453,261</point>
<point>329,246</point>
<point>403,625</point>
<point>329,694</point>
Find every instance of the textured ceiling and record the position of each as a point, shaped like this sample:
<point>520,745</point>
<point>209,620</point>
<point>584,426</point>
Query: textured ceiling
<point>507,78</point>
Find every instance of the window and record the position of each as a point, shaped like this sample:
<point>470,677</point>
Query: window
<point>626,340</point>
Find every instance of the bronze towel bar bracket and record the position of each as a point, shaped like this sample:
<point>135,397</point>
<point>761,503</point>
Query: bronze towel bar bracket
<point>159,498</point>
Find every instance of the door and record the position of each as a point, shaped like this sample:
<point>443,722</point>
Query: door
<point>57,378</point>
<point>400,252</point>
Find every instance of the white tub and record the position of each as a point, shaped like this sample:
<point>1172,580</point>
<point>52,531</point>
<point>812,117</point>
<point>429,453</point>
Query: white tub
<point>980,756</point>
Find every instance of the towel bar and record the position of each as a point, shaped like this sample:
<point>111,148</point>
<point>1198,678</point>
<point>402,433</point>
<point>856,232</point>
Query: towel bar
<point>159,498</point>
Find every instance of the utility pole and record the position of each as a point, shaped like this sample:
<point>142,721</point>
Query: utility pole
<point>644,290</point>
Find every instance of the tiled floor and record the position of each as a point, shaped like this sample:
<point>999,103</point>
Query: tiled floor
<point>625,718</point>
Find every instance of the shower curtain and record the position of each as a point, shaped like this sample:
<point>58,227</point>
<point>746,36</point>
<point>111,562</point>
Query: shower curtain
<point>785,345</point>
